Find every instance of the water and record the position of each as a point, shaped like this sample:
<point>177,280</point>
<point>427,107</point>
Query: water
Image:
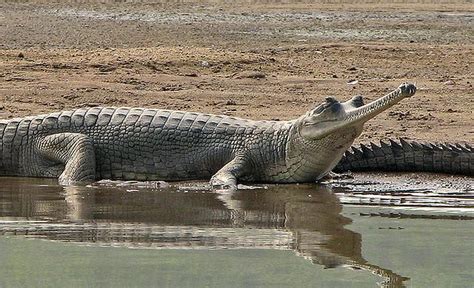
<point>116,234</point>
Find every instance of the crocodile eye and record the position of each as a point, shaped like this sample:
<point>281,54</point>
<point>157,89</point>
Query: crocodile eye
<point>329,102</point>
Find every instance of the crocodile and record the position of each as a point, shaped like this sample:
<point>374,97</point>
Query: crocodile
<point>88,144</point>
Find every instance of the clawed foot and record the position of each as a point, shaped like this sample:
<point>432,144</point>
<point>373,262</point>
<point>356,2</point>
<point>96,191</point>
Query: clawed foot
<point>67,181</point>
<point>223,183</point>
<point>336,176</point>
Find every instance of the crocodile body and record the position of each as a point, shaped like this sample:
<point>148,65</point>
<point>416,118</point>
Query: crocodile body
<point>152,144</point>
<point>143,144</point>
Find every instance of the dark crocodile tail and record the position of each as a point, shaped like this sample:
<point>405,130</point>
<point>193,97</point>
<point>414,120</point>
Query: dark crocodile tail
<point>403,155</point>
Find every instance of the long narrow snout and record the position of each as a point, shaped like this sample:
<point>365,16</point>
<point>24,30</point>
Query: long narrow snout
<point>370,110</point>
<point>360,115</point>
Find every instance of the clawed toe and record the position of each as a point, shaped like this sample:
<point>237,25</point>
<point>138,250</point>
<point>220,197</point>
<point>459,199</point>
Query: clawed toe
<point>220,184</point>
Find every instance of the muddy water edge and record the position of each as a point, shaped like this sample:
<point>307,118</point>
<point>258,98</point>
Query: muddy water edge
<point>303,235</point>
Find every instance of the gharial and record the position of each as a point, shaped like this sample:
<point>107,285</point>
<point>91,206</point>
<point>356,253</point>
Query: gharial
<point>88,144</point>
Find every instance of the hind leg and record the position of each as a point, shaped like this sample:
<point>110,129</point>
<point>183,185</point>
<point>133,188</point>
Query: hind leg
<point>73,150</point>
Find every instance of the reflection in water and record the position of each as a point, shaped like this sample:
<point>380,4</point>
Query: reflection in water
<point>302,218</point>
<point>430,192</point>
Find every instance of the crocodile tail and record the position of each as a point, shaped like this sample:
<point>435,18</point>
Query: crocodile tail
<point>403,155</point>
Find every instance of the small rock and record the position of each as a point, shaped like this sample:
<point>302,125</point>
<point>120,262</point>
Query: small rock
<point>191,74</point>
<point>449,82</point>
<point>250,75</point>
<point>205,64</point>
<point>334,76</point>
<point>21,55</point>
<point>400,115</point>
<point>352,82</point>
<point>352,69</point>
<point>69,96</point>
<point>107,68</point>
<point>89,104</point>
<point>172,87</point>
<point>279,50</point>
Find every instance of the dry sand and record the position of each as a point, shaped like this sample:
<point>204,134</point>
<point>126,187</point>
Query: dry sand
<point>259,61</point>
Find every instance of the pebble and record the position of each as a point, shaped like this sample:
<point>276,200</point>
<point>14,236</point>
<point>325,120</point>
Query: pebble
<point>250,75</point>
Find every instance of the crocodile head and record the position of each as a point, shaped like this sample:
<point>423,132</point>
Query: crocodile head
<point>332,115</point>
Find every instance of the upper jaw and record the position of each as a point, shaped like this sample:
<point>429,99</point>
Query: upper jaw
<point>372,109</point>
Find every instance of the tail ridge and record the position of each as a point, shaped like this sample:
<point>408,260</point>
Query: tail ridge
<point>406,155</point>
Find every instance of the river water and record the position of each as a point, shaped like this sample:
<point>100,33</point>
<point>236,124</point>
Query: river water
<point>371,231</point>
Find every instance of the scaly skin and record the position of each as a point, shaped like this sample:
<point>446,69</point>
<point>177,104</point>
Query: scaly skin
<point>151,144</point>
<point>403,155</point>
<point>138,144</point>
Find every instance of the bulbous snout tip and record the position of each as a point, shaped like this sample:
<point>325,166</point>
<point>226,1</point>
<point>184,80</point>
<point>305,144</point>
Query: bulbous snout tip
<point>407,89</point>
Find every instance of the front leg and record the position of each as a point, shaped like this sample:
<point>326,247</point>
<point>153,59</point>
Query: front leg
<point>226,177</point>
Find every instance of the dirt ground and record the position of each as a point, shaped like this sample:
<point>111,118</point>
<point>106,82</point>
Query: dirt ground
<point>249,59</point>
